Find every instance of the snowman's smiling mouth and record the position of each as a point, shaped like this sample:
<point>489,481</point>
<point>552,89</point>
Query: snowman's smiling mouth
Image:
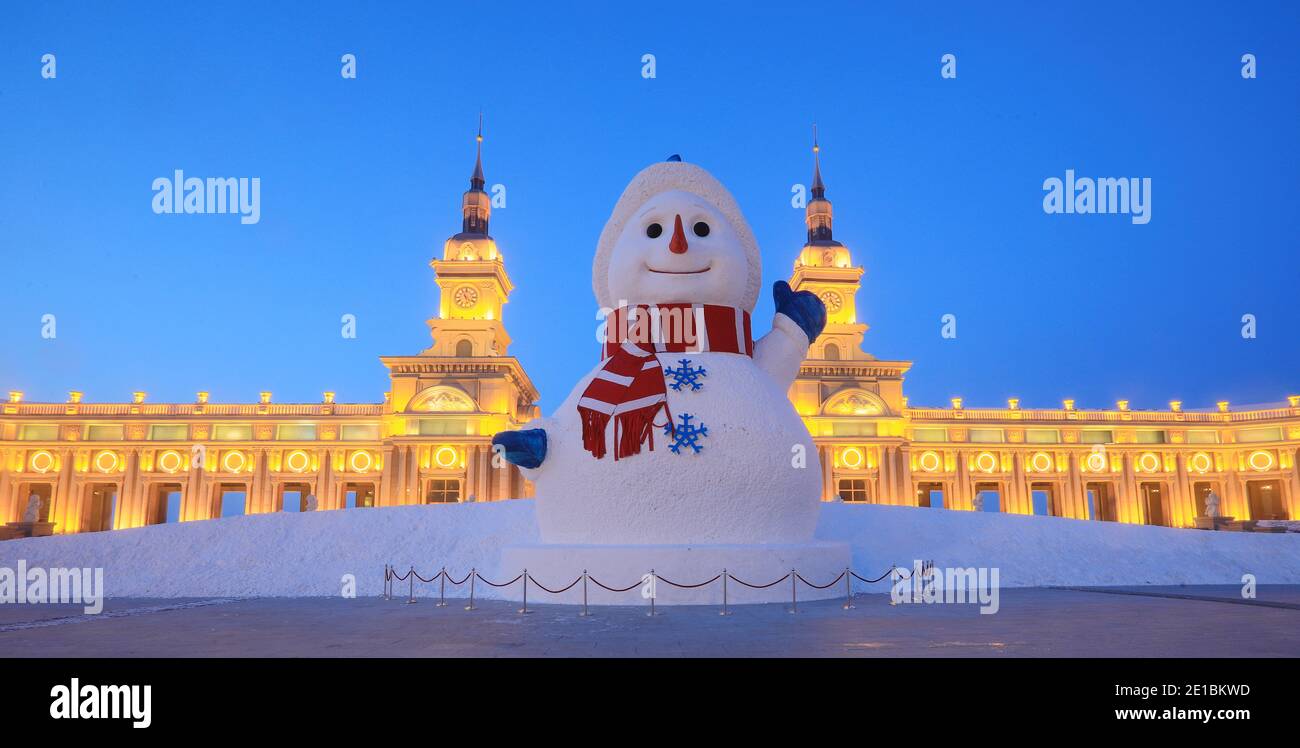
<point>679,272</point>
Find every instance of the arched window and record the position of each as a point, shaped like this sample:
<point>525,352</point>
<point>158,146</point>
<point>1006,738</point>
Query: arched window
<point>831,352</point>
<point>465,349</point>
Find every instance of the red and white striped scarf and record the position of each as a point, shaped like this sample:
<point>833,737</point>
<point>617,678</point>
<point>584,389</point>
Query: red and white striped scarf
<point>630,386</point>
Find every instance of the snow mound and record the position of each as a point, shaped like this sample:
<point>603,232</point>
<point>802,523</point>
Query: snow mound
<point>308,554</point>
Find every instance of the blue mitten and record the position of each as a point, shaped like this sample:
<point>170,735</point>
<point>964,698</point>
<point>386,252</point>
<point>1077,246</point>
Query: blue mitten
<point>803,307</point>
<point>525,448</point>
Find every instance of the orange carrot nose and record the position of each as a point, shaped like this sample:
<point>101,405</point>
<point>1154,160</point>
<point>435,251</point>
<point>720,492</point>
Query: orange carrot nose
<point>678,244</point>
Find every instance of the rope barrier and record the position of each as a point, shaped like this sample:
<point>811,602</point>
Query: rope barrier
<point>759,586</point>
<point>832,583</point>
<point>633,586</point>
<point>533,579</point>
<point>430,579</point>
<point>688,586</point>
<point>391,576</point>
<point>503,584</point>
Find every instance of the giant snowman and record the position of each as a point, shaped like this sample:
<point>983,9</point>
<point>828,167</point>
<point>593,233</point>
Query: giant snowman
<point>680,451</point>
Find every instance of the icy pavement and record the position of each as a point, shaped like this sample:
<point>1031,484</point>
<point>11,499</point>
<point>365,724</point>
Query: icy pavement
<point>1031,623</point>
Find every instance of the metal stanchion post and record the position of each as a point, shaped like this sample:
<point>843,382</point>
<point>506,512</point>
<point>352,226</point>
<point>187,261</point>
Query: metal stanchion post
<point>524,610</point>
<point>848,589</point>
<point>584,612</point>
<point>472,573</point>
<point>387,581</point>
<point>442,588</point>
<point>411,597</point>
<point>794,598</point>
<point>724,612</point>
<point>653,592</point>
<point>893,571</point>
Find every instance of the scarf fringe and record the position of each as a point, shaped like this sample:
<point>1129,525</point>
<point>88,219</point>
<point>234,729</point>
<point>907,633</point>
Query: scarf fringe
<point>593,431</point>
<point>631,430</point>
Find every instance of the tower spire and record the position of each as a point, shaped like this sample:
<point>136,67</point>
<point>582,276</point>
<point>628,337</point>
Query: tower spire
<point>476,181</point>
<point>476,206</point>
<point>818,214</point>
<point>818,189</point>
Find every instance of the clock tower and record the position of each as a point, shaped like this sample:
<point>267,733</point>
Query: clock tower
<point>825,267</point>
<point>472,281</point>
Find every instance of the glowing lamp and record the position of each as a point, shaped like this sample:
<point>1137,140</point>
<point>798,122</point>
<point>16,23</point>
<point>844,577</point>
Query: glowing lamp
<point>1261,460</point>
<point>930,461</point>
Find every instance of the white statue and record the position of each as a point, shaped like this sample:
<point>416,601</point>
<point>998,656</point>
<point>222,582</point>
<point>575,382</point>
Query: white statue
<point>33,513</point>
<point>311,502</point>
<point>470,499</point>
<point>978,502</point>
<point>1212,504</point>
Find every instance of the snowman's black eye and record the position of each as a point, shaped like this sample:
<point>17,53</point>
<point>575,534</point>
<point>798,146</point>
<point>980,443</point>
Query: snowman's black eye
<point>701,229</point>
<point>654,230</point>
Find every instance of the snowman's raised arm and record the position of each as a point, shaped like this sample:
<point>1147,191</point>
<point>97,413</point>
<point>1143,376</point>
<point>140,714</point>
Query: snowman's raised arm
<point>800,318</point>
<point>526,448</point>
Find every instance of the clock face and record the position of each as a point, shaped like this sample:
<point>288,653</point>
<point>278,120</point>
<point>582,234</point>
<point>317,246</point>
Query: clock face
<point>465,297</point>
<point>832,301</point>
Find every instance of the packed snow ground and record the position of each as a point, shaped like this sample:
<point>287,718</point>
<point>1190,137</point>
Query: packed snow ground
<point>309,554</point>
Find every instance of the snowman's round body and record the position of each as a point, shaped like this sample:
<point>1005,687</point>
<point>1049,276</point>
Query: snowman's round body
<point>743,493</point>
<point>756,478</point>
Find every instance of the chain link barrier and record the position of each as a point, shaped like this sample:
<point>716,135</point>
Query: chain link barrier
<point>391,576</point>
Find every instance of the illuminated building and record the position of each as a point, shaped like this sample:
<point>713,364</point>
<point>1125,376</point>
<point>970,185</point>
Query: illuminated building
<point>104,466</point>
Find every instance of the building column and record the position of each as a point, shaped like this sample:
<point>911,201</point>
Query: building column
<point>7,490</point>
<point>65,509</point>
<point>129,506</point>
<point>885,476</point>
<point>1078,495</point>
<point>905,490</point>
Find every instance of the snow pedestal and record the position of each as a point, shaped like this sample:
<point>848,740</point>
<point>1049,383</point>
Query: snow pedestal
<point>621,566</point>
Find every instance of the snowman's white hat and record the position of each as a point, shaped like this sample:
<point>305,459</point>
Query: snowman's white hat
<point>665,177</point>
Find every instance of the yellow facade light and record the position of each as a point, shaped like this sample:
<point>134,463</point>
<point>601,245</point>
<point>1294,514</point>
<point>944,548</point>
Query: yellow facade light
<point>41,461</point>
<point>138,397</point>
<point>446,457</point>
<point>956,403</point>
<point>930,461</point>
<point>170,461</point>
<point>107,461</point>
<point>1149,462</point>
<point>15,396</point>
<point>234,461</point>
<point>1176,406</point>
<point>1068,403</point>
<point>1294,400</point>
<point>1201,462</point>
<point>361,461</point>
<point>264,397</point>
<point>297,461</point>
<point>1222,405</point>
<point>1096,462</point>
<point>986,462</point>
<point>1121,404</point>
<point>852,458</point>
<point>1261,460</point>
<point>1013,403</point>
<point>328,398</point>
<point>74,396</point>
<point>1041,462</point>
<point>201,398</point>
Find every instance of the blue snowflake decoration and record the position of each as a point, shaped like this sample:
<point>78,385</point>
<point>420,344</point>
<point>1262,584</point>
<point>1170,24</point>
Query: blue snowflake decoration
<point>685,375</point>
<point>686,434</point>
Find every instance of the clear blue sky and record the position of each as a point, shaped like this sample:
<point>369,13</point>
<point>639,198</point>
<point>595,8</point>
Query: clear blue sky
<point>937,184</point>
